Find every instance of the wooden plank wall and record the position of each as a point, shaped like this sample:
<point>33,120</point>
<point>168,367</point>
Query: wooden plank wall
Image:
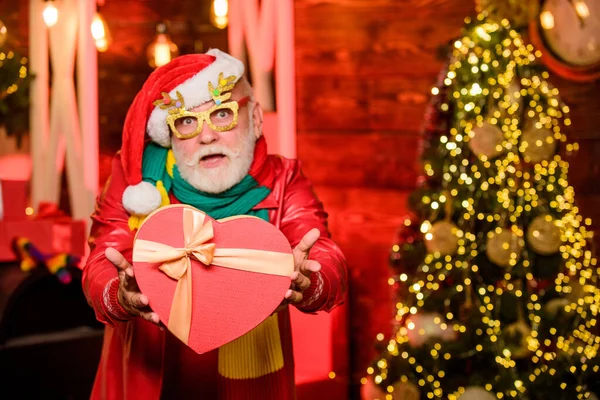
<point>364,73</point>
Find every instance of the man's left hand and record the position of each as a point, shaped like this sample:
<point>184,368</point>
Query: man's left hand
<point>303,268</point>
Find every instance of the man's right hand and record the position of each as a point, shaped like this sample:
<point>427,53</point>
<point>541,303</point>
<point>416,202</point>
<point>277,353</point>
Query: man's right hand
<point>129,296</point>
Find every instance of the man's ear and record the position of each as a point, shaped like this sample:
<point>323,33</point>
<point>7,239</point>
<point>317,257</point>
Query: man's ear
<point>257,119</point>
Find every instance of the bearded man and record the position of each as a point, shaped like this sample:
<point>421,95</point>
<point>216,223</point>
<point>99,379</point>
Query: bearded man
<point>193,135</point>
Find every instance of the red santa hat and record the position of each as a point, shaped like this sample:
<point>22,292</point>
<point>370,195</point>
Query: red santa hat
<point>189,75</point>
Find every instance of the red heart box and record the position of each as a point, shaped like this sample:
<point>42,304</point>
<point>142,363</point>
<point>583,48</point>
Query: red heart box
<point>224,302</point>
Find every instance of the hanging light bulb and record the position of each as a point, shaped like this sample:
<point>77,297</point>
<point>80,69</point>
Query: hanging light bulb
<point>162,49</point>
<point>50,14</point>
<point>218,13</point>
<point>100,32</point>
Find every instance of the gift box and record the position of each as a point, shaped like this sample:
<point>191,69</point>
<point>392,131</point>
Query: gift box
<point>13,199</point>
<point>211,281</point>
<point>50,236</point>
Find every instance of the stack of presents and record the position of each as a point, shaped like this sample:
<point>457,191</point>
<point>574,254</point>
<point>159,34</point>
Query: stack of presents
<point>48,237</point>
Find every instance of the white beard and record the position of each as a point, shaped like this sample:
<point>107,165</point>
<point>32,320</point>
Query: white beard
<point>219,179</point>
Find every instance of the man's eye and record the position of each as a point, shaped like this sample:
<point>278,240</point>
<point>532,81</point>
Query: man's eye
<point>188,121</point>
<point>223,114</point>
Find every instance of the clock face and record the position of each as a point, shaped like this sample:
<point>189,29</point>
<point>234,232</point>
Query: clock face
<point>571,28</point>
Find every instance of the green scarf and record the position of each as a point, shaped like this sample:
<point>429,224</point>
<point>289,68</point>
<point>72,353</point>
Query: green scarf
<point>158,168</point>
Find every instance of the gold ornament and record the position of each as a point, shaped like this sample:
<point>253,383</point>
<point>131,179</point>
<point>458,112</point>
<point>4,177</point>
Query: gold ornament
<point>519,12</point>
<point>537,144</point>
<point>486,140</point>
<point>422,327</point>
<point>512,95</point>
<point>405,391</point>
<point>543,235</point>
<point>554,306</point>
<point>574,291</point>
<point>515,339</point>
<point>3,33</point>
<point>476,393</point>
<point>442,238</point>
<point>514,91</point>
<point>502,247</point>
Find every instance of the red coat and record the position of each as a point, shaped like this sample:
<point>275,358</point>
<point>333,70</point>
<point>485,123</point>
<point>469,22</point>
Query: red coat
<point>138,359</point>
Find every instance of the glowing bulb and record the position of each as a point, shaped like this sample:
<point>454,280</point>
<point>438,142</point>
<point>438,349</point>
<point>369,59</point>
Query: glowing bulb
<point>425,226</point>
<point>162,50</point>
<point>50,14</point>
<point>100,32</point>
<point>218,13</point>
<point>102,45</point>
<point>221,8</point>
<point>3,33</point>
<point>475,90</point>
<point>162,54</point>
<point>582,9</point>
<point>547,20</point>
<point>482,33</point>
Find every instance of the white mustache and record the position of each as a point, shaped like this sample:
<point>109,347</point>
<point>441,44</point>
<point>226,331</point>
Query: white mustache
<point>208,151</point>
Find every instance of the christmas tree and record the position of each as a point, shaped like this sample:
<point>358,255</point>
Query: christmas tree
<point>496,281</point>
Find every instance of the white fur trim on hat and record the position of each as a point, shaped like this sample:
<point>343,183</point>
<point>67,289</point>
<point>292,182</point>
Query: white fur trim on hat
<point>195,92</point>
<point>141,199</point>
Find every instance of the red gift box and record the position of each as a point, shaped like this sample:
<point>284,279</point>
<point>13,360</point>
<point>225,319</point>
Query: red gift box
<point>50,236</point>
<point>13,199</point>
<point>211,281</point>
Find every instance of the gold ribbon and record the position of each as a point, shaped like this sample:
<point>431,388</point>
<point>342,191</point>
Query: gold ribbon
<point>176,263</point>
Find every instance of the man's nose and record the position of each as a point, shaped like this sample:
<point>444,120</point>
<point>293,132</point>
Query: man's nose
<point>207,135</point>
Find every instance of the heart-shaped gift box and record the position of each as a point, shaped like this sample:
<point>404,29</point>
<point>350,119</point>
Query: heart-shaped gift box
<point>211,281</point>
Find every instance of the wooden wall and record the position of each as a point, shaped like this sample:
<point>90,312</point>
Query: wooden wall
<point>365,69</point>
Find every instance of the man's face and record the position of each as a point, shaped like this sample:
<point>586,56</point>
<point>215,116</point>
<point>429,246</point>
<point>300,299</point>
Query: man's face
<point>213,162</point>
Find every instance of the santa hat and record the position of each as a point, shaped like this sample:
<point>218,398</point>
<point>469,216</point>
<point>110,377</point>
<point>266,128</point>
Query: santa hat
<point>189,75</point>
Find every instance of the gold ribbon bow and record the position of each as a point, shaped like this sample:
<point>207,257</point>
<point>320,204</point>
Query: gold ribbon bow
<point>176,263</point>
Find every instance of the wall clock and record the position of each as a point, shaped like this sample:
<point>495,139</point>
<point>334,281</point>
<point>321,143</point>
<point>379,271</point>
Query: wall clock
<point>568,34</point>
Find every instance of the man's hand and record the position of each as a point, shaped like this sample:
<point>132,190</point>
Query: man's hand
<point>303,268</point>
<point>129,296</point>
